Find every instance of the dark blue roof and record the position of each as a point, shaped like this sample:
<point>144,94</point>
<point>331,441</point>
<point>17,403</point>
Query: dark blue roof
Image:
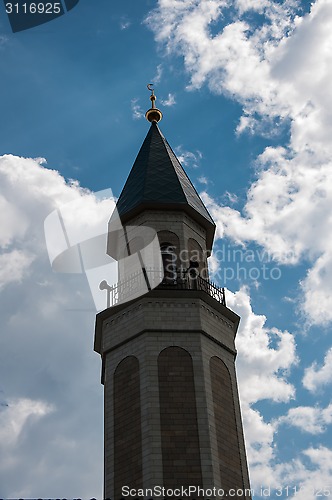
<point>157,180</point>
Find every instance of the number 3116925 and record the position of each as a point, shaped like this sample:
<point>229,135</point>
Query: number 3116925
<point>33,8</point>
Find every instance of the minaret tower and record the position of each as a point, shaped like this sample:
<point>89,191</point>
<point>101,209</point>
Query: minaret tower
<point>172,413</point>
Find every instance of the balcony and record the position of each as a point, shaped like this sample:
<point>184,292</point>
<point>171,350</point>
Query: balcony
<point>144,280</point>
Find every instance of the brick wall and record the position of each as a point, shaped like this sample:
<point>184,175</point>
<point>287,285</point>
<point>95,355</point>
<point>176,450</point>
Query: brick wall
<point>226,429</point>
<point>127,426</point>
<point>178,419</point>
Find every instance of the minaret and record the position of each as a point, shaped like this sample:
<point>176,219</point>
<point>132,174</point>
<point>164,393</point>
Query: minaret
<point>172,413</point>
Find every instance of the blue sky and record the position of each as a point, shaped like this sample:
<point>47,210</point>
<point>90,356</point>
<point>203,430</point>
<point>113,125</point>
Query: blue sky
<point>244,86</point>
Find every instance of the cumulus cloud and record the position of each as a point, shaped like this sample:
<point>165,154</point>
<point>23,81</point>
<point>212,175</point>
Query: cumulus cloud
<point>137,111</point>
<point>316,377</point>
<point>277,65</point>
<point>159,73</point>
<point>233,59</point>
<point>15,416</point>
<point>13,266</point>
<point>288,212</point>
<point>50,376</point>
<point>317,289</point>
<point>262,369</point>
<point>124,24</point>
<point>279,69</point>
<point>265,358</point>
<point>203,180</point>
<point>188,158</point>
<point>308,419</point>
<point>170,101</point>
<point>51,383</point>
<point>267,66</point>
<point>309,474</point>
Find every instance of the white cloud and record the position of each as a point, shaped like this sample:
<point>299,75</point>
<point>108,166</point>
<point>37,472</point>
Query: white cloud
<point>3,40</point>
<point>303,477</point>
<point>311,479</point>
<point>12,222</point>
<point>317,286</point>
<point>159,73</point>
<point>262,371</point>
<point>15,416</point>
<point>278,69</point>
<point>13,266</point>
<point>214,266</point>
<point>287,192</point>
<point>137,112</point>
<point>233,60</point>
<point>56,382</point>
<point>188,158</point>
<point>288,212</point>
<point>125,24</point>
<point>231,197</point>
<point>309,419</point>
<point>316,377</point>
<point>203,180</point>
<point>170,101</point>
<point>51,431</point>
<point>260,447</point>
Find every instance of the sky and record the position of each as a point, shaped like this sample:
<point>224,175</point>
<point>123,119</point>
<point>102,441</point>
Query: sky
<point>245,89</point>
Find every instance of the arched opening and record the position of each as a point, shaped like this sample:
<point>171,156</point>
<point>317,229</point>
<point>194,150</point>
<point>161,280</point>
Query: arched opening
<point>181,453</point>
<point>169,248</point>
<point>227,428</point>
<point>169,258</point>
<point>197,260</point>
<point>127,432</point>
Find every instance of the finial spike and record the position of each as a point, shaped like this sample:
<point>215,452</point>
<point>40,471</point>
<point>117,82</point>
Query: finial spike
<point>153,114</point>
<point>152,96</point>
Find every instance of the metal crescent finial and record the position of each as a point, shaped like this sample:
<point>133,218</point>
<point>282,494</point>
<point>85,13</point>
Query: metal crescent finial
<point>153,114</point>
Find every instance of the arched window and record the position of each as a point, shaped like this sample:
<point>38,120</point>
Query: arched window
<point>169,247</point>
<point>197,260</point>
<point>168,254</point>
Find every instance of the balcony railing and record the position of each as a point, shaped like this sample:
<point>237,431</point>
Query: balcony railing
<point>145,280</point>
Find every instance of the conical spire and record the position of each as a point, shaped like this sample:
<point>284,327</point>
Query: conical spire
<point>157,181</point>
